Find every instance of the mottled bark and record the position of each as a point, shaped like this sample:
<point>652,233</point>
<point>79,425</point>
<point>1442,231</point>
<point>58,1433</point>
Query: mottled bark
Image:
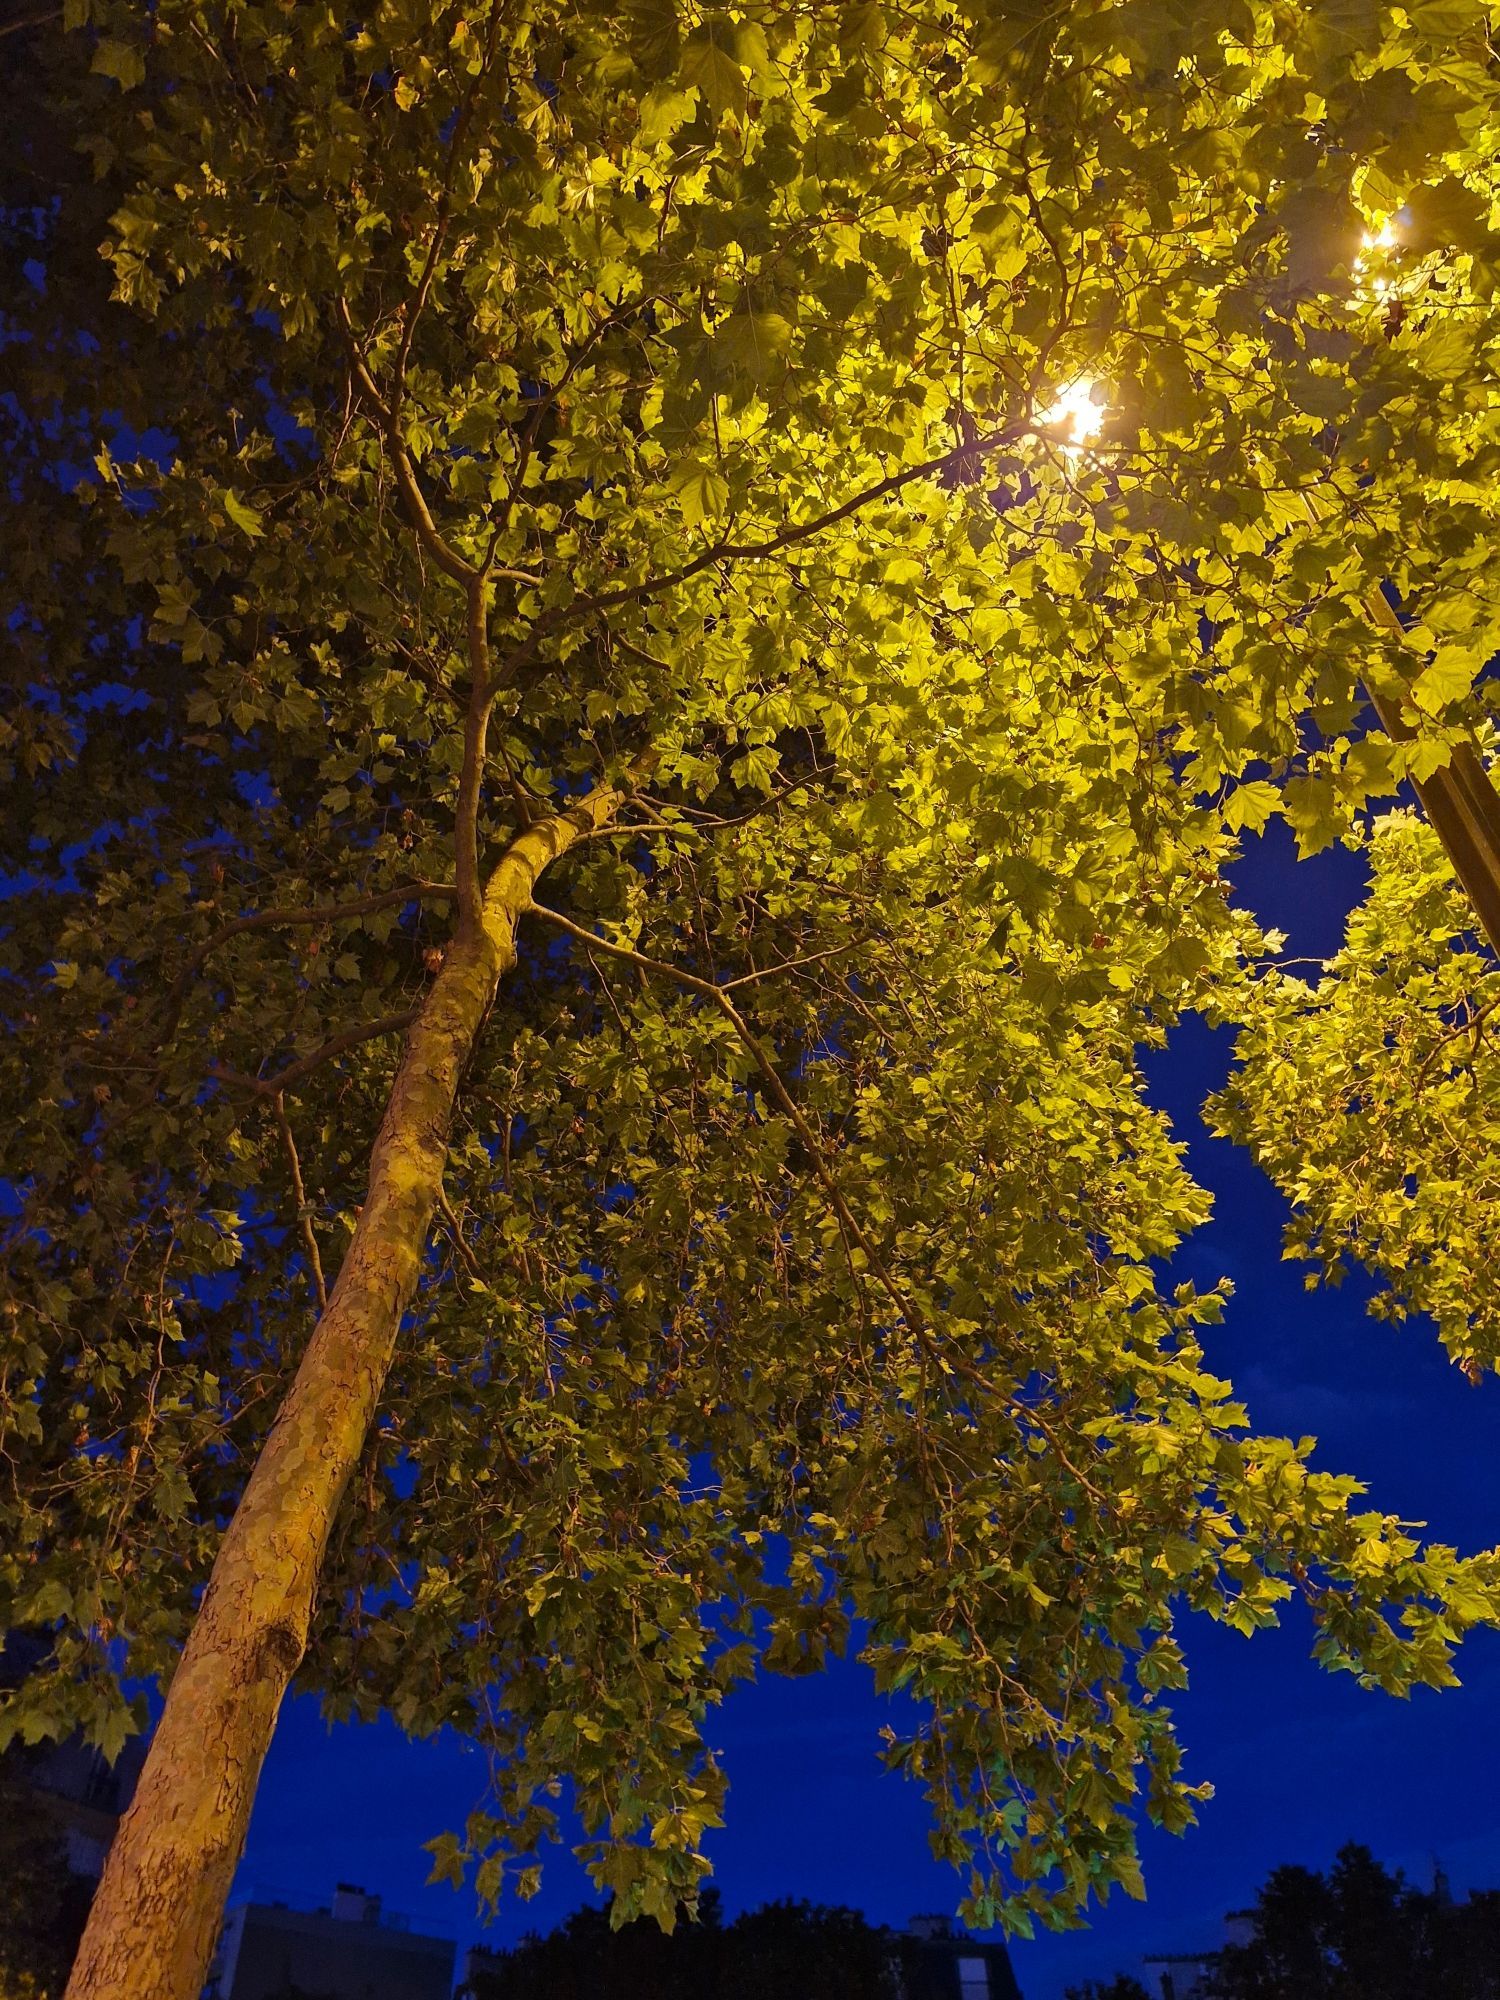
<point>154,1922</point>
<point>1460,800</point>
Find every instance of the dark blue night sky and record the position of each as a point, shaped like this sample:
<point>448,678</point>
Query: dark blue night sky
<point>1302,1760</point>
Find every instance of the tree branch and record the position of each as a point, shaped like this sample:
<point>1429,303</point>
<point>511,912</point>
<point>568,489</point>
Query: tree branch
<point>347,1038</point>
<point>36,19</point>
<point>471,776</point>
<point>1474,1026</point>
<point>429,536</point>
<point>442,551</point>
<point>800,531</point>
<point>414,305</point>
<point>470,1261</point>
<point>307,913</point>
<point>299,1193</point>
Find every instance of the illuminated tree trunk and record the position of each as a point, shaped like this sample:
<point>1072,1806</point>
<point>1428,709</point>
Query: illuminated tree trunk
<point>1460,801</point>
<point>152,1929</point>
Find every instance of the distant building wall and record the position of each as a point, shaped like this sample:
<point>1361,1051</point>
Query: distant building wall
<point>1181,1978</point>
<point>84,1794</point>
<point>938,1961</point>
<point>269,1952</point>
<point>81,1792</point>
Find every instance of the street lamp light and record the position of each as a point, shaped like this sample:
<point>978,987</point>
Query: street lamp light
<point>1375,247</point>
<point>1076,415</point>
<point>1460,799</point>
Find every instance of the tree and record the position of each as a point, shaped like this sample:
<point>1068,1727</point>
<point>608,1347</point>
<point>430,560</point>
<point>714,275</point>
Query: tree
<point>1471,1938</point>
<point>791,1949</point>
<point>615,762</point>
<point>782,1951</point>
<point>1372,1098</point>
<point>588,1955</point>
<point>1357,1933</point>
<point>1121,1987</point>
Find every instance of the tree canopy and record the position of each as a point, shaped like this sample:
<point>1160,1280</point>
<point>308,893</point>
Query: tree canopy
<point>1359,1931</point>
<point>782,1951</point>
<point>641,638</point>
<point>1371,1096</point>
<point>1122,1987</point>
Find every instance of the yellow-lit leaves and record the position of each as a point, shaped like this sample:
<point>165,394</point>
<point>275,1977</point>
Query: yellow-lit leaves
<point>701,491</point>
<point>719,58</point>
<point>1447,679</point>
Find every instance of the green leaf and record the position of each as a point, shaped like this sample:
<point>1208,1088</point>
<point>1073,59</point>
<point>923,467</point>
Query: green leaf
<point>121,60</point>
<point>701,491</point>
<point>244,516</point>
<point>1250,806</point>
<point>1442,20</point>
<point>1447,679</point>
<point>653,30</point>
<point>712,62</point>
<point>757,768</point>
<point>1127,1872</point>
<point>753,344</point>
<point>1310,808</point>
<point>664,110</point>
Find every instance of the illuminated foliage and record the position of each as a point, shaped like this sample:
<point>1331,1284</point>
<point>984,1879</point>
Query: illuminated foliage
<point>1372,1097</point>
<point>854,509</point>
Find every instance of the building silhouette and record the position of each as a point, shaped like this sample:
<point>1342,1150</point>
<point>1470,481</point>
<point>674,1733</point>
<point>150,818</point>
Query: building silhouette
<point>938,1960</point>
<point>349,1950</point>
<point>83,1795</point>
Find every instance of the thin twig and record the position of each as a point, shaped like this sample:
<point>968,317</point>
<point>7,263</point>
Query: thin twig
<point>792,964</point>
<point>413,308</point>
<point>311,913</point>
<point>35,19</point>
<point>306,913</point>
<point>428,534</point>
<point>1473,1025</point>
<point>471,1262</point>
<point>798,531</point>
<point>299,1192</point>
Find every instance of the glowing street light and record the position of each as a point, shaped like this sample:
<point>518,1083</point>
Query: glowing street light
<point>1076,417</point>
<point>1375,247</point>
<point>1460,797</point>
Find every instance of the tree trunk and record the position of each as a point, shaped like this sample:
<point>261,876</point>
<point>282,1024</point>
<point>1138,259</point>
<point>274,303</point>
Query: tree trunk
<point>155,1919</point>
<point>1460,800</point>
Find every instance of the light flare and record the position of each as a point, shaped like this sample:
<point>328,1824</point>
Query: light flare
<point>1375,246</point>
<point>1076,416</point>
